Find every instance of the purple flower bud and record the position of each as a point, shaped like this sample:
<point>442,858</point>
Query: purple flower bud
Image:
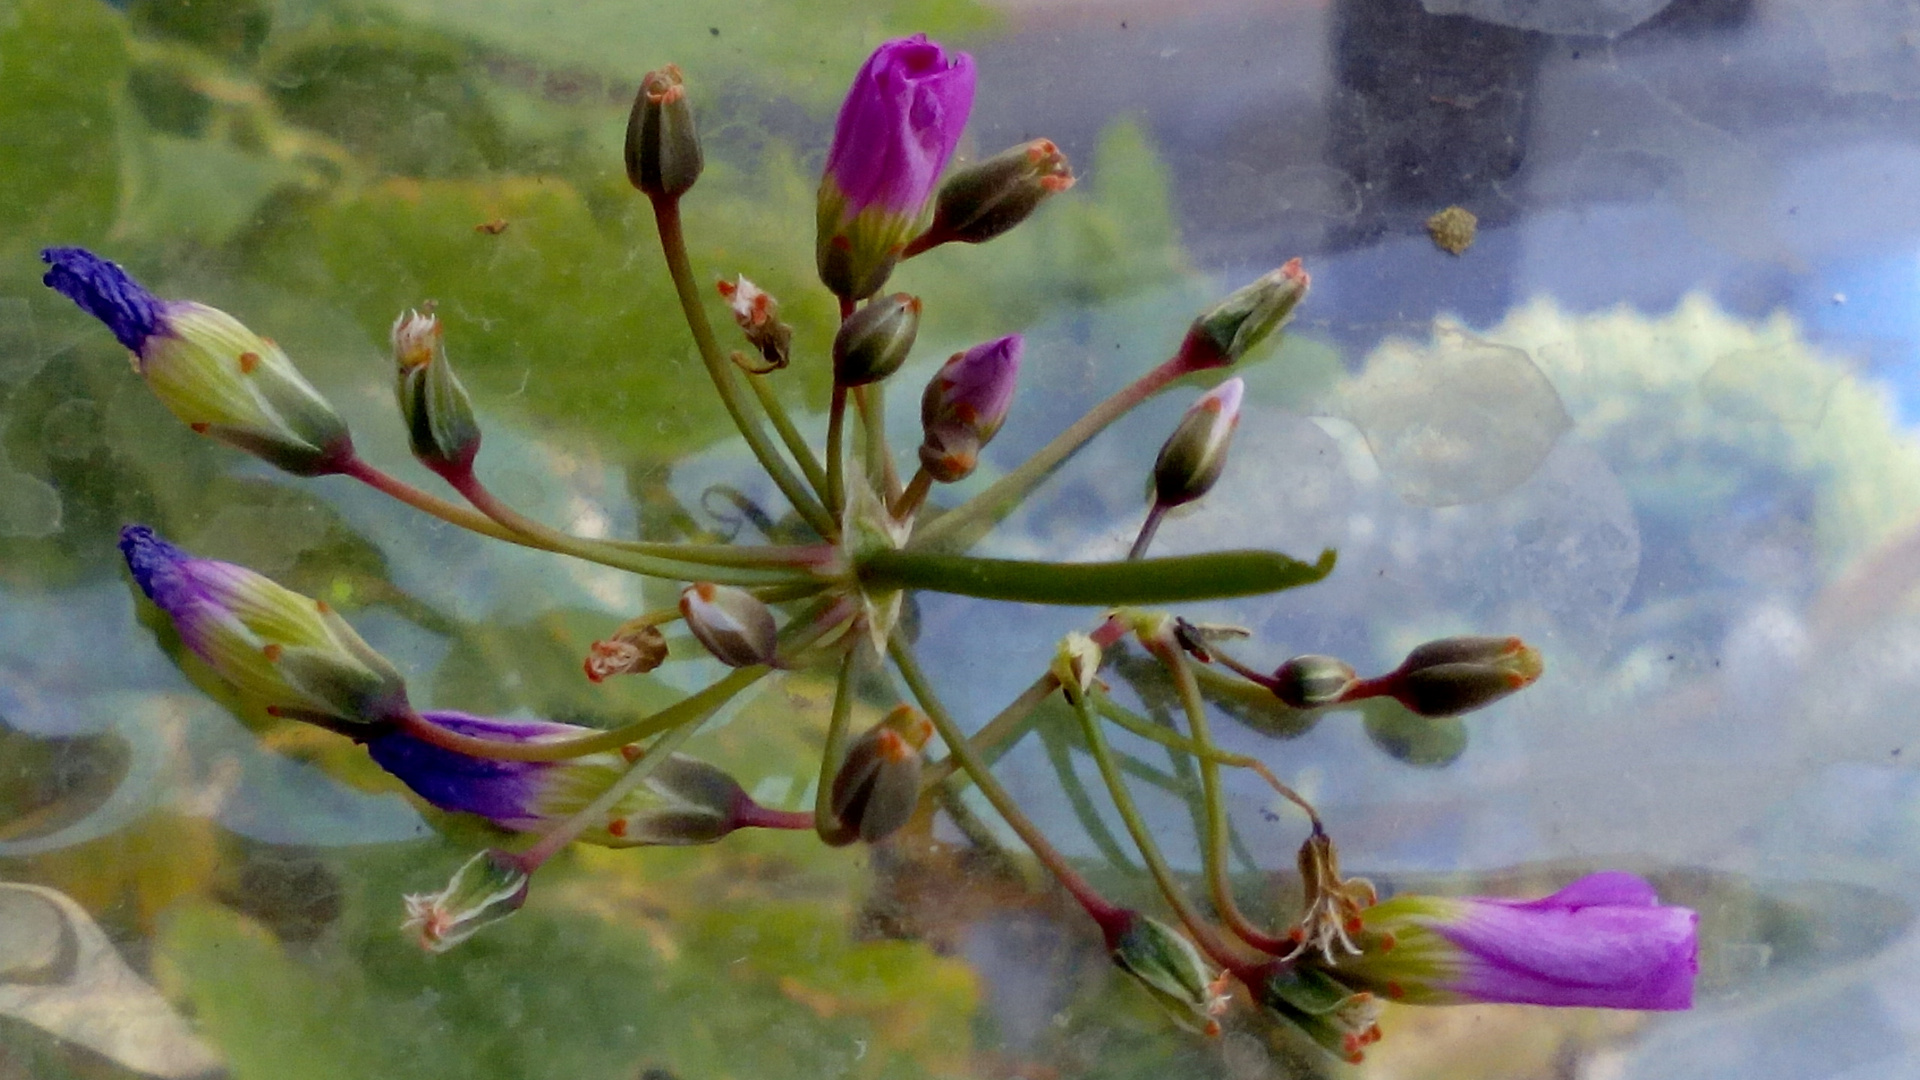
<point>965,405</point>
<point>683,801</point>
<point>897,129</point>
<point>104,291</point>
<point>1604,941</point>
<point>220,378</point>
<point>291,651</point>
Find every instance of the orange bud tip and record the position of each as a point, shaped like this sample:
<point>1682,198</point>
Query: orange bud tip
<point>727,288</point>
<point>617,827</point>
<point>891,746</point>
<point>841,243</point>
<point>321,607</point>
<point>1387,942</point>
<point>492,228</point>
<point>594,674</point>
<point>1356,1058</point>
<point>1297,935</point>
<point>1056,184</point>
<point>198,428</point>
<point>1395,991</point>
<point>249,361</point>
<point>1212,1030</point>
<point>1294,271</point>
<point>274,710</point>
<point>632,753</point>
<point>273,653</point>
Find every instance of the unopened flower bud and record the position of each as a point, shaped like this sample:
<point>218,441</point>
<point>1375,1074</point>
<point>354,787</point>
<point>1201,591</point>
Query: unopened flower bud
<point>758,314</point>
<point>663,147</point>
<point>732,623</point>
<point>632,650</point>
<point>1076,664</point>
<point>965,404</point>
<point>222,379</point>
<point>1308,682</point>
<point>1168,967</point>
<point>874,341</point>
<point>1456,675</point>
<point>291,651</point>
<point>875,791</point>
<point>440,423</point>
<point>1193,456</point>
<point>979,202</point>
<point>1231,328</point>
<point>896,131</point>
<point>486,889</point>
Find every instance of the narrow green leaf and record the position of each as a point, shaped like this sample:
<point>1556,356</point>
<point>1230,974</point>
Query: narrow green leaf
<point>1144,581</point>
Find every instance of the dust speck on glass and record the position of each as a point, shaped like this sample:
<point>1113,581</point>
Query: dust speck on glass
<point>1299,539</point>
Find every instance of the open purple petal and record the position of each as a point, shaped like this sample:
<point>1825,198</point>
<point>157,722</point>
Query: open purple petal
<point>899,125</point>
<point>506,792</point>
<point>104,291</point>
<point>1602,942</point>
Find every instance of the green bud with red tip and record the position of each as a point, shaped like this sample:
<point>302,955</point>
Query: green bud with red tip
<point>1193,457</point>
<point>440,423</point>
<point>874,341</point>
<point>981,201</point>
<point>663,147</point>
<point>734,625</point>
<point>878,785</point>
<point>1231,328</point>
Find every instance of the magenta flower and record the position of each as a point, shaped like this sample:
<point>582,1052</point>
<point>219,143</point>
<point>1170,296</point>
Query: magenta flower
<point>683,801</point>
<point>897,130</point>
<point>290,651</point>
<point>965,404</point>
<point>221,379</point>
<point>1604,941</point>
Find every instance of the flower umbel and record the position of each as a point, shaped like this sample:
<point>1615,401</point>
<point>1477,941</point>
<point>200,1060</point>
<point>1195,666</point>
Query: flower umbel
<point>1604,941</point>
<point>896,131</point>
<point>220,378</point>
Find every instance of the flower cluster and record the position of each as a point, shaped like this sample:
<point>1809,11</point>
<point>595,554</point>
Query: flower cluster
<point>833,602</point>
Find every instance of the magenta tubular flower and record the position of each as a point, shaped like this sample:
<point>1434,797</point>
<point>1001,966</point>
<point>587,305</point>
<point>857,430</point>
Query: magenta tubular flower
<point>221,379</point>
<point>897,130</point>
<point>683,801</point>
<point>965,404</point>
<point>1605,941</point>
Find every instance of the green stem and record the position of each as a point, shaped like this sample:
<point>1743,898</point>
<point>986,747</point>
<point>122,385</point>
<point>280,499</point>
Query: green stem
<point>743,556</point>
<point>1213,853</point>
<point>836,452</point>
<point>469,485</point>
<point>830,828</point>
<point>962,526</point>
<point>1147,529</point>
<point>1203,933</point>
<point>1109,917</point>
<point>1172,580</point>
<point>916,493</point>
<point>871,400</point>
<point>673,243</point>
<point>1001,731</point>
<point>1060,756</point>
<point>789,434</point>
<point>566,749</point>
<point>450,512</point>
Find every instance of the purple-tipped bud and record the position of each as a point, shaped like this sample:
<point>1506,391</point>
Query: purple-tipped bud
<point>1231,328</point>
<point>222,379</point>
<point>104,291</point>
<point>874,341</point>
<point>758,315</point>
<point>1605,941</point>
<point>875,791</point>
<point>1169,968</point>
<point>965,405</point>
<point>440,423</point>
<point>486,889</point>
<point>1308,682</point>
<point>734,625</point>
<point>982,201</point>
<point>1456,675</point>
<point>663,148</point>
<point>682,801</point>
<point>897,130</point>
<point>1192,458</point>
<point>291,651</point>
